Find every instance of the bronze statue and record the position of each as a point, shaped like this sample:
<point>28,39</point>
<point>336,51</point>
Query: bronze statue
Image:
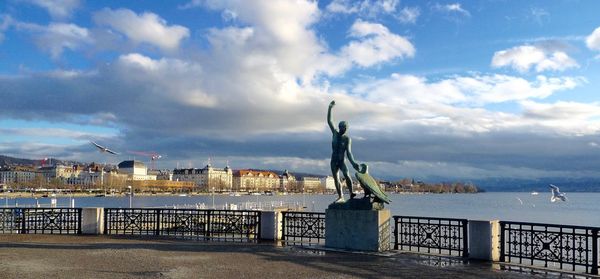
<point>341,148</point>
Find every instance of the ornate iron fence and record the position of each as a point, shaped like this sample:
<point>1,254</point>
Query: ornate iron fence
<point>204,224</point>
<point>426,234</point>
<point>11,220</point>
<point>40,220</point>
<point>303,228</point>
<point>565,247</point>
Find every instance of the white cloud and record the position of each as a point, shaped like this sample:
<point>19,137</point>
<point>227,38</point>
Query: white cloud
<point>455,8</point>
<point>472,91</point>
<point>539,15</point>
<point>375,44</point>
<point>58,9</point>
<point>409,14</point>
<point>593,40</point>
<point>5,22</point>
<point>369,8</point>
<point>56,37</point>
<point>522,58</point>
<point>143,28</point>
<point>561,110</point>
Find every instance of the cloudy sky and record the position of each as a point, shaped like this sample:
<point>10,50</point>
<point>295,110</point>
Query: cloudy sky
<point>455,89</point>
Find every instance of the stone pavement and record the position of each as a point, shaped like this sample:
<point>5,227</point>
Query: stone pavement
<point>56,256</point>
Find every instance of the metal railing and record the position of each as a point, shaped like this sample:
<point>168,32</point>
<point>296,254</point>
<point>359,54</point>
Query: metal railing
<point>562,246</point>
<point>303,228</point>
<point>192,223</point>
<point>40,220</point>
<point>431,235</point>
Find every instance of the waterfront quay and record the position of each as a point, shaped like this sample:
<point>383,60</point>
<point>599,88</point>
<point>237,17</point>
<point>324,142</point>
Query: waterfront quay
<point>207,243</point>
<point>80,256</point>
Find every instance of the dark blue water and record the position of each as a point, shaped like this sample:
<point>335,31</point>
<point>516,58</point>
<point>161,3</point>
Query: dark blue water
<point>580,209</point>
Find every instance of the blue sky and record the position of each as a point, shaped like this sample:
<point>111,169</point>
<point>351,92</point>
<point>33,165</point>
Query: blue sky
<point>453,89</point>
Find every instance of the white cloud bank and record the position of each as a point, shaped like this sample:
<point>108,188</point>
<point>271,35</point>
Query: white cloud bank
<point>370,8</point>
<point>55,38</point>
<point>593,40</point>
<point>523,58</point>
<point>143,28</point>
<point>376,44</point>
<point>58,9</point>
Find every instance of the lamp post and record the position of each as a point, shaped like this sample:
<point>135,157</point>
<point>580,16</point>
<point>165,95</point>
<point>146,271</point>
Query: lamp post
<point>130,195</point>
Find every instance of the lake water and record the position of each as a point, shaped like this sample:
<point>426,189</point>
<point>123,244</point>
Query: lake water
<point>580,209</point>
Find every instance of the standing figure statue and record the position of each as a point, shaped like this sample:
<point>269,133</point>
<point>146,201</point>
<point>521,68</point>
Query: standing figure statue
<point>341,147</point>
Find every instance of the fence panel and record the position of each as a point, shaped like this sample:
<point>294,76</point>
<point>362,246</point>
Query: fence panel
<point>40,220</point>
<point>303,228</point>
<point>431,235</point>
<point>11,220</point>
<point>205,224</point>
<point>562,247</point>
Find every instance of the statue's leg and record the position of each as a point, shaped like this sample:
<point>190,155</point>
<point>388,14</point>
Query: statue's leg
<point>336,180</point>
<point>346,173</point>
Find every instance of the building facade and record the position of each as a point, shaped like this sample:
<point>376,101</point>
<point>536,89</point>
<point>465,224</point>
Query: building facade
<point>311,184</point>
<point>207,178</point>
<point>135,170</point>
<point>17,175</point>
<point>255,181</point>
<point>287,182</point>
<point>328,183</point>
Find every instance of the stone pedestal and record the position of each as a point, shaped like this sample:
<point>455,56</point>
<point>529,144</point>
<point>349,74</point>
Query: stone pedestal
<point>484,240</point>
<point>360,230</point>
<point>92,220</point>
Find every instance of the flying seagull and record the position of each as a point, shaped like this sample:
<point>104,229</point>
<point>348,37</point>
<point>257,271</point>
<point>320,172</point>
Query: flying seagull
<point>104,149</point>
<point>556,194</point>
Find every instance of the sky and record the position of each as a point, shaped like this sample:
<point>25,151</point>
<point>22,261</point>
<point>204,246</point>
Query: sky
<point>431,89</point>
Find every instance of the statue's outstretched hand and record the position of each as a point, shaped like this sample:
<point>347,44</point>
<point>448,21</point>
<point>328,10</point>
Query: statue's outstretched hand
<point>332,104</point>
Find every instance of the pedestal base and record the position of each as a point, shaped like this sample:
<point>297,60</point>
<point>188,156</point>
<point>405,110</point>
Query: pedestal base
<point>361,230</point>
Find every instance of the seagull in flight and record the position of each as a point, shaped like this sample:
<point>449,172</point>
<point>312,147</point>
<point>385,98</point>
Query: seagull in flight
<point>556,194</point>
<point>104,149</point>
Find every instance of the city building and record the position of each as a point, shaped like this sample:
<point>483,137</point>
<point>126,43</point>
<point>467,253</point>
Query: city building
<point>207,178</point>
<point>311,184</point>
<point>287,182</point>
<point>328,183</point>
<point>255,181</point>
<point>17,175</point>
<point>135,170</point>
<point>60,172</point>
<point>162,174</point>
<point>98,179</point>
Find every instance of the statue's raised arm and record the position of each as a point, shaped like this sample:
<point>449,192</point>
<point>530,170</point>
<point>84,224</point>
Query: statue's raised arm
<point>329,120</point>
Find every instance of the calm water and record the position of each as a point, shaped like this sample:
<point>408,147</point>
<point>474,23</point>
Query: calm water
<point>581,208</point>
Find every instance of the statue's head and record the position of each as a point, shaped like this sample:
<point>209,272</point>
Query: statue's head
<point>343,127</point>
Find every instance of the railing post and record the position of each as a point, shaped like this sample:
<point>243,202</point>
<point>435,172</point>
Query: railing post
<point>79,220</point>
<point>259,224</point>
<point>465,248</point>
<point>23,216</point>
<point>396,227</point>
<point>157,224</point>
<point>594,251</point>
<point>502,242</point>
<point>207,230</point>
<point>283,225</point>
<point>106,210</point>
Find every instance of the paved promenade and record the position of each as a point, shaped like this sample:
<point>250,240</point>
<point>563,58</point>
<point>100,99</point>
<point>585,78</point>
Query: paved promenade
<point>49,256</point>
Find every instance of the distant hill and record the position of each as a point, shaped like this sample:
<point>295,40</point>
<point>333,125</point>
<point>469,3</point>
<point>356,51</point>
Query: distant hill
<point>11,161</point>
<point>539,185</point>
